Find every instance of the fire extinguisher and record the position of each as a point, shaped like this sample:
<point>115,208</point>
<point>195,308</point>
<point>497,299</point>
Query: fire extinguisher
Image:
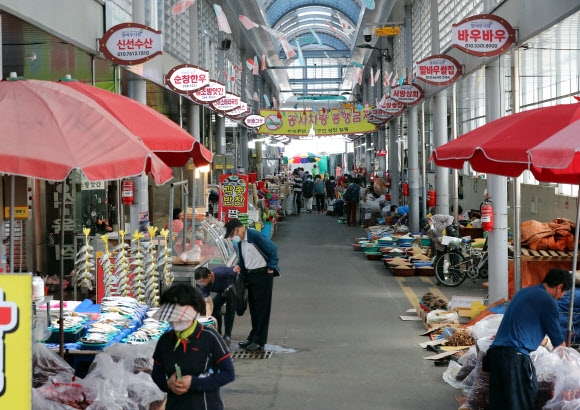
<point>372,178</point>
<point>127,192</point>
<point>405,189</point>
<point>486,215</point>
<point>431,194</point>
<point>388,181</point>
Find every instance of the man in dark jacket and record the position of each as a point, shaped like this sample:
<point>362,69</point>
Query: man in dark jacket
<point>308,193</point>
<point>297,180</point>
<point>258,265</point>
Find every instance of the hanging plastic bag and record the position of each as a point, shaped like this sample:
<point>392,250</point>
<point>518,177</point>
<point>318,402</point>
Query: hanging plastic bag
<point>486,327</point>
<point>134,358</point>
<point>450,375</point>
<point>45,362</point>
<point>567,386</point>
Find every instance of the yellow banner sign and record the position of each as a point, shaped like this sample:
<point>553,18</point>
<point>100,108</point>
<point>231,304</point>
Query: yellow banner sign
<point>387,31</point>
<point>20,212</point>
<point>16,342</point>
<point>329,122</point>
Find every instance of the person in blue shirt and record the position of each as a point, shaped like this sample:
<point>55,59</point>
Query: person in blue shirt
<point>531,315</point>
<point>219,280</point>
<point>258,265</point>
<point>402,211</point>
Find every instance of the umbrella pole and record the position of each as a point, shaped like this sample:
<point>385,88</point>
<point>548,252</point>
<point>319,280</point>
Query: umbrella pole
<point>12,189</point>
<point>61,313</point>
<point>573,272</point>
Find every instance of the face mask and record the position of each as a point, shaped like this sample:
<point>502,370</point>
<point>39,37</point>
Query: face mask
<point>236,238</point>
<point>180,325</point>
<point>309,179</point>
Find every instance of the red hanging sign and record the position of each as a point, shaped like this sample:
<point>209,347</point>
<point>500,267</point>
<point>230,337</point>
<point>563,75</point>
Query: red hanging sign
<point>408,94</point>
<point>186,78</point>
<point>484,35</point>
<point>131,44</point>
<point>393,107</point>
<point>439,69</point>
<point>233,196</point>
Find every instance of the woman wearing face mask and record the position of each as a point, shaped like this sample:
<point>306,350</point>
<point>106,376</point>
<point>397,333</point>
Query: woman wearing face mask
<point>191,362</point>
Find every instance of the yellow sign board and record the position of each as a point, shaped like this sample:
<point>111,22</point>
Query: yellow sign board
<point>387,31</point>
<point>330,122</point>
<point>20,212</point>
<point>15,342</point>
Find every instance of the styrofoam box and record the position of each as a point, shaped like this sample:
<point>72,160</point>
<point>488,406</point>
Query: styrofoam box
<point>446,240</point>
<point>463,302</point>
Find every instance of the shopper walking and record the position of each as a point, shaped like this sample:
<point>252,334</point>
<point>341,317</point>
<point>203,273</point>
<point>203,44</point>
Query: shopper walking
<point>308,193</point>
<point>191,362</point>
<point>319,191</point>
<point>532,314</point>
<point>219,280</point>
<point>258,265</point>
<point>297,181</point>
<point>352,198</point>
<point>330,186</point>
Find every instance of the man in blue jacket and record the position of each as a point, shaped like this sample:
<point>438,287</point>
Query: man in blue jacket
<point>258,264</point>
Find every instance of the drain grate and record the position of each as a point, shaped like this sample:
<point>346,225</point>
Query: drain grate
<point>242,354</point>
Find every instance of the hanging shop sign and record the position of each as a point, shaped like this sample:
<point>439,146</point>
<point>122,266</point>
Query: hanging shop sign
<point>210,93</point>
<point>242,116</point>
<point>378,121</point>
<point>233,196</point>
<point>330,122</point>
<point>439,69</point>
<point>254,121</point>
<point>15,337</point>
<point>228,103</point>
<point>131,44</point>
<point>387,31</point>
<point>484,35</point>
<point>393,107</point>
<point>408,94</point>
<point>186,78</point>
<point>242,108</point>
<point>380,113</point>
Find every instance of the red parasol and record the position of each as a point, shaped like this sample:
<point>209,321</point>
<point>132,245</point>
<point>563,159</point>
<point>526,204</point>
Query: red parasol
<point>49,130</point>
<point>501,146</point>
<point>168,140</point>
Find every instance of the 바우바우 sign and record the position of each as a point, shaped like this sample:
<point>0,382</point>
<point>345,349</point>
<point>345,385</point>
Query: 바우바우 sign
<point>484,35</point>
<point>15,342</point>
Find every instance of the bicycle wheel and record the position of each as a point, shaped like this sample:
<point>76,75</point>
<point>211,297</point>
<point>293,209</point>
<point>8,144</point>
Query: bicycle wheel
<point>450,269</point>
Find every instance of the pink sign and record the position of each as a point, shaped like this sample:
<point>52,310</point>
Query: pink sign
<point>254,121</point>
<point>210,93</point>
<point>483,35</point>
<point>186,78</point>
<point>131,44</point>
<point>439,69</point>
<point>408,94</point>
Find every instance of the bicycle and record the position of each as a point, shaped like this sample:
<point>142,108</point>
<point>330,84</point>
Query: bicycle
<point>459,262</point>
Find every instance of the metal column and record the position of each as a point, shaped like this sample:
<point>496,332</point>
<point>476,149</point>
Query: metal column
<point>368,155</point>
<point>413,168</point>
<point>394,160</point>
<point>497,189</point>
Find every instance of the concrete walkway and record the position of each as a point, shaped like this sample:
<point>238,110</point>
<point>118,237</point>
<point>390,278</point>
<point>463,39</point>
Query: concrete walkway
<point>341,314</point>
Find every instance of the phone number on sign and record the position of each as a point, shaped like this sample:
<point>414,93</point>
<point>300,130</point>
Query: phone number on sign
<point>132,53</point>
<point>480,45</point>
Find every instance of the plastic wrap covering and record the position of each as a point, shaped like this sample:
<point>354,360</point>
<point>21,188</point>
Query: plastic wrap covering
<point>468,362</point>
<point>60,392</point>
<point>547,365</point>
<point>122,387</point>
<point>567,387</point>
<point>450,375</point>
<point>478,398</point>
<point>486,327</point>
<point>45,362</point>
<point>134,358</point>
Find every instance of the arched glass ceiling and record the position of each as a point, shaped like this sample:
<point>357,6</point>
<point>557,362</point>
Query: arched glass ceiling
<point>279,8</point>
<point>328,40</point>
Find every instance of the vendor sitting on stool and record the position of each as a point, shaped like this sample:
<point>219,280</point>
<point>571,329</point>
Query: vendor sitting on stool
<point>218,280</point>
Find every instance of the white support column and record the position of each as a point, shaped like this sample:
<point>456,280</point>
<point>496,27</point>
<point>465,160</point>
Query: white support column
<point>497,190</point>
<point>440,138</point>
<point>413,168</point>
<point>137,90</point>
